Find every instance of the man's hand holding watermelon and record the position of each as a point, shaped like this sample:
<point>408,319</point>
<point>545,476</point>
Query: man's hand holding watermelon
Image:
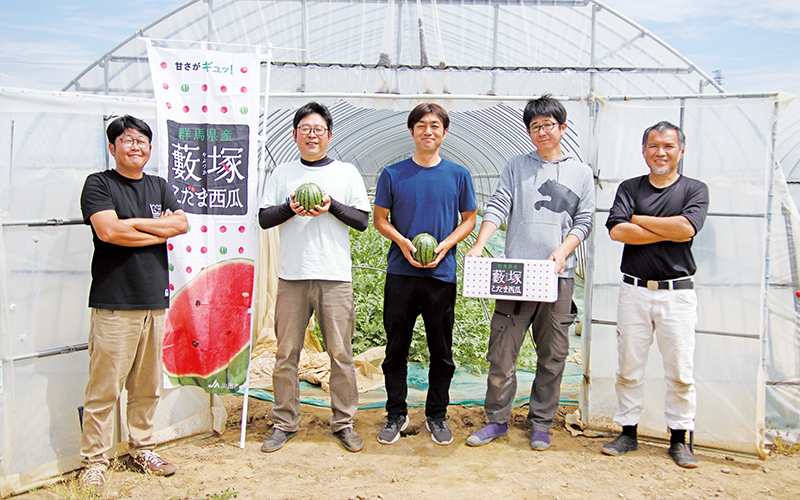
<point>408,250</point>
<point>316,212</point>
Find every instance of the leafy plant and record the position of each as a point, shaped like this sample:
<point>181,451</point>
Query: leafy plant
<point>472,316</point>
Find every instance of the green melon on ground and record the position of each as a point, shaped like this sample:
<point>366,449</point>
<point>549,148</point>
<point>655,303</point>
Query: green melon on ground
<point>425,245</point>
<point>207,337</point>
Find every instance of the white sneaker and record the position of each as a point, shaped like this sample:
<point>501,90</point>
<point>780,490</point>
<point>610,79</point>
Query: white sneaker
<point>94,477</point>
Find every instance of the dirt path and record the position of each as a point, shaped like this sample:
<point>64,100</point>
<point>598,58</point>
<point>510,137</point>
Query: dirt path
<point>313,465</point>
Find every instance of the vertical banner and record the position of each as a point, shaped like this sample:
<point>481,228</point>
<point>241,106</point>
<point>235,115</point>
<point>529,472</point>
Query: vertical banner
<point>207,107</point>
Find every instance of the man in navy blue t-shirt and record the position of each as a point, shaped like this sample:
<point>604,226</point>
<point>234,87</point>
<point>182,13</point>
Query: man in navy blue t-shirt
<point>423,194</point>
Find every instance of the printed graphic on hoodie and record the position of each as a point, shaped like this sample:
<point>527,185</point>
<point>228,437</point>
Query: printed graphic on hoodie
<point>562,199</point>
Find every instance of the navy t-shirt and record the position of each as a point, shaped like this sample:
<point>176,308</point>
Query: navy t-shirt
<point>664,260</point>
<point>424,200</point>
<point>130,278</point>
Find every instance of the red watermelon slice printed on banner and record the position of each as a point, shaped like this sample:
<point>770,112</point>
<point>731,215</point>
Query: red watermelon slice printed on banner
<point>207,338</point>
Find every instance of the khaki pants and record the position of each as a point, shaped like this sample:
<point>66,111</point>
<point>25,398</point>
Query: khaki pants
<point>124,349</point>
<point>333,303</point>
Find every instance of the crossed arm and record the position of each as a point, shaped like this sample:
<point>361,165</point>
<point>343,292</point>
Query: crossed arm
<point>380,219</point>
<point>138,232</point>
<point>645,229</point>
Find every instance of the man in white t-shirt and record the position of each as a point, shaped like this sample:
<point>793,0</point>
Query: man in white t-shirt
<point>314,273</point>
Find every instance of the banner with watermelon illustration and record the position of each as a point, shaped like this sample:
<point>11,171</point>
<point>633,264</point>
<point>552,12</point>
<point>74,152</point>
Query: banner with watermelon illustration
<point>207,107</point>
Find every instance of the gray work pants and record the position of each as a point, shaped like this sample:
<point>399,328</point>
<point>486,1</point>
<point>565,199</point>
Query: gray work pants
<point>550,322</point>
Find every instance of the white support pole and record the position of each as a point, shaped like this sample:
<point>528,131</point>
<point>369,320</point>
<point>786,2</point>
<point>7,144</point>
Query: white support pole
<point>262,135</point>
<point>246,394</point>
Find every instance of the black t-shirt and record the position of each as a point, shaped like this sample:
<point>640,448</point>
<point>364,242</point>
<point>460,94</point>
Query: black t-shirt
<point>127,277</point>
<point>664,260</point>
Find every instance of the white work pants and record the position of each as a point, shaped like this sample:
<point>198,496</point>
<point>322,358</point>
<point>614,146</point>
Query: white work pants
<point>672,315</point>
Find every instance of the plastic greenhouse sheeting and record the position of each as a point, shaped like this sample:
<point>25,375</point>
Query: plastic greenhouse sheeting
<point>467,389</point>
<point>50,144</point>
<point>729,146</point>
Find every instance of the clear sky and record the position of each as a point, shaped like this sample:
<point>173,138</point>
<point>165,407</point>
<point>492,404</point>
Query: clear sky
<point>755,44</point>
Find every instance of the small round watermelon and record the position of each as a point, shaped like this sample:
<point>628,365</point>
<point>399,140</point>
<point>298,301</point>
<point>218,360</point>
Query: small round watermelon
<point>425,245</point>
<point>308,195</point>
<point>207,336</point>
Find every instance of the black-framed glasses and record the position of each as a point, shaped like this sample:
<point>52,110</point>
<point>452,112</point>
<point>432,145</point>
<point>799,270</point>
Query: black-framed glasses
<point>141,142</point>
<point>546,126</point>
<point>307,129</point>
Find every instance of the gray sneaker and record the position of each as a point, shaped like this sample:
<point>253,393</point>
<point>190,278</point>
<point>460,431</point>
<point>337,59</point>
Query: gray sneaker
<point>276,440</point>
<point>395,424</point>
<point>619,446</point>
<point>350,439</point>
<point>683,456</point>
<point>440,432</point>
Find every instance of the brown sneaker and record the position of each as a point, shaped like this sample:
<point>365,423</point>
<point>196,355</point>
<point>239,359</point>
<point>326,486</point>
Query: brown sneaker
<point>93,478</point>
<point>148,462</point>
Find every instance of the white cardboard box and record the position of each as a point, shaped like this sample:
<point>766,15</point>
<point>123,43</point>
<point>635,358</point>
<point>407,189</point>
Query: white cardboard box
<point>510,279</point>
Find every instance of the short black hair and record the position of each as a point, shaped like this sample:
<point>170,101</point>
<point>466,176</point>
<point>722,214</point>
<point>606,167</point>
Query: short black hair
<point>544,106</point>
<point>310,109</point>
<point>419,112</point>
<point>662,127</point>
<point>118,127</point>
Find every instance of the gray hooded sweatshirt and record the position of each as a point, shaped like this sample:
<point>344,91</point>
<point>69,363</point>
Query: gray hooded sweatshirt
<point>543,203</point>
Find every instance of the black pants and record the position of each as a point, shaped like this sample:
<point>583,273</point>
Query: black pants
<point>405,298</point>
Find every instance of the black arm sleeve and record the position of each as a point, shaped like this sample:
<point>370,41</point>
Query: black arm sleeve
<point>273,216</point>
<point>351,216</point>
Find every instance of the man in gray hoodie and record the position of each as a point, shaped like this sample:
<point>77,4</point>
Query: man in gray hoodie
<point>547,200</point>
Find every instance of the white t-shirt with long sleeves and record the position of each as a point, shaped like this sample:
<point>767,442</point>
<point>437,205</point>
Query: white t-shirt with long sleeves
<point>316,248</point>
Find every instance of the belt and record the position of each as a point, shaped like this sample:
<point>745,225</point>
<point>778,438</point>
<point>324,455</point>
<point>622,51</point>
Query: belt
<point>679,284</point>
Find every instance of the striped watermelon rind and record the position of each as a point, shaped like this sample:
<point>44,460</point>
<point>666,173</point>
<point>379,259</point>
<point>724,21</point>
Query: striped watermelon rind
<point>308,195</point>
<point>425,245</point>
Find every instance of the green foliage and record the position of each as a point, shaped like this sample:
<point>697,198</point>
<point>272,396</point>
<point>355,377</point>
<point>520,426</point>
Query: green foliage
<point>473,316</point>
<point>368,250</point>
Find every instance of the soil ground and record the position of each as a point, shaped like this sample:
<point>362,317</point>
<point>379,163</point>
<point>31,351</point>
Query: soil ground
<point>313,465</point>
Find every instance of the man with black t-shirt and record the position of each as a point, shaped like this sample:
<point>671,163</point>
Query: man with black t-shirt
<point>314,274</point>
<point>131,215</point>
<point>657,217</point>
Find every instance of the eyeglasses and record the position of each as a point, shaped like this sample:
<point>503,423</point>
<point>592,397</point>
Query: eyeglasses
<point>547,126</point>
<point>141,142</point>
<point>307,129</point>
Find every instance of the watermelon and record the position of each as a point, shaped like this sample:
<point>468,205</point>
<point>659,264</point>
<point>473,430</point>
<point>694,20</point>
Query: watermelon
<point>207,336</point>
<point>425,245</point>
<point>308,195</point>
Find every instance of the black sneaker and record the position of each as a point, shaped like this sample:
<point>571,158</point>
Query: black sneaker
<point>440,432</point>
<point>395,424</point>
<point>620,446</point>
<point>683,456</point>
<point>350,439</point>
<point>276,440</point>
